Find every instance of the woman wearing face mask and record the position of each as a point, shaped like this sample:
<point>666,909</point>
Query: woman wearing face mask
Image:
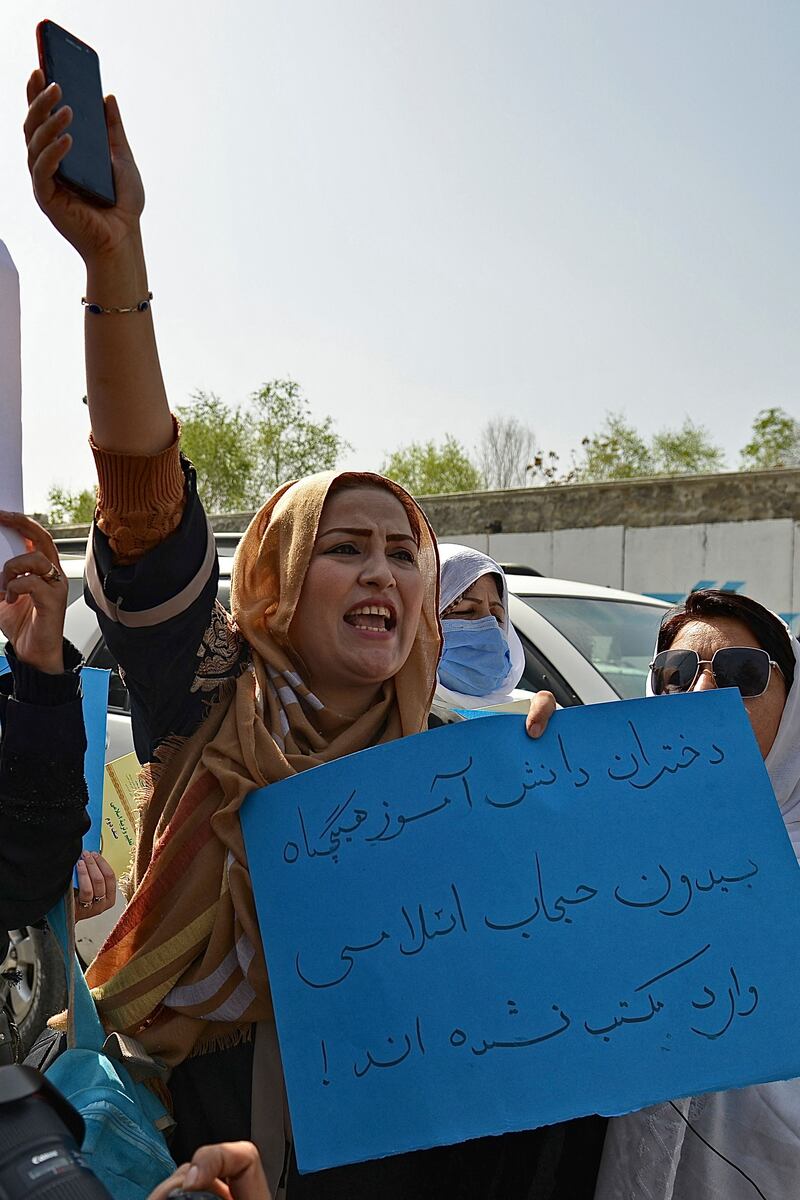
<point>482,657</point>
<point>721,639</point>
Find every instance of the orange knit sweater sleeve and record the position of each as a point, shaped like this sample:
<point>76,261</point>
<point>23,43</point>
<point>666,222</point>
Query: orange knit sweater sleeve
<point>140,498</point>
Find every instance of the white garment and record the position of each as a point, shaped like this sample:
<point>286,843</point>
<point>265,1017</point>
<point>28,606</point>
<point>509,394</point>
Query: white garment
<point>652,1154</point>
<point>783,760</point>
<point>460,567</point>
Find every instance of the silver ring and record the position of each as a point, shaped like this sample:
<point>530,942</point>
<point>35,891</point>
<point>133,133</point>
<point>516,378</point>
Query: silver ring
<point>53,575</point>
<point>85,903</point>
<point>99,899</point>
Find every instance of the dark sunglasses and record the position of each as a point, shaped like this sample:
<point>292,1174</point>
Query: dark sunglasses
<point>744,667</point>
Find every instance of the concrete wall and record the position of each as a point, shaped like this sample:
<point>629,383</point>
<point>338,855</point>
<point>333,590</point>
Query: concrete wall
<point>661,536</point>
<point>634,503</point>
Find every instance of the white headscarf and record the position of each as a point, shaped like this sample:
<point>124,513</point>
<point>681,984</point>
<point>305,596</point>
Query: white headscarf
<point>652,1154</point>
<point>460,567</point>
<point>783,760</point>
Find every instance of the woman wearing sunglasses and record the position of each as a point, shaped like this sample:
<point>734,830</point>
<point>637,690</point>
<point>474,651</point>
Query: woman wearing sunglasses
<point>720,639</point>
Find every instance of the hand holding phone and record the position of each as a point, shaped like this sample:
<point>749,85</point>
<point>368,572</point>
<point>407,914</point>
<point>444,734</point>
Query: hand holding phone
<point>75,67</point>
<point>74,192</point>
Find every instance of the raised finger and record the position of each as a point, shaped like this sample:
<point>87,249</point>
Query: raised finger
<point>40,109</point>
<point>36,84</point>
<point>108,873</point>
<point>48,133</point>
<point>33,531</point>
<point>96,876</point>
<point>85,895</point>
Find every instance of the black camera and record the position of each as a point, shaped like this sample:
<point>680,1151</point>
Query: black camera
<point>40,1139</point>
<point>180,1194</point>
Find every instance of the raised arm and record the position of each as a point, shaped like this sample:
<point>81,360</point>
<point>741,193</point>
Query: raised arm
<point>127,402</point>
<point>151,572</point>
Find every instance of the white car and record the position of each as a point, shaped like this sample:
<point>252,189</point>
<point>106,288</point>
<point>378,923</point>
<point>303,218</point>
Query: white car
<point>586,644</point>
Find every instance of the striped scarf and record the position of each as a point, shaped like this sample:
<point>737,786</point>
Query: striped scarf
<point>183,970</point>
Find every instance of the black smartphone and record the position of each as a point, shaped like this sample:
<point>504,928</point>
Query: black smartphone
<point>69,62</point>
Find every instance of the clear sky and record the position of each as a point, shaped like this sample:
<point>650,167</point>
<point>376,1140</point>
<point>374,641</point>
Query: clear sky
<point>433,211</point>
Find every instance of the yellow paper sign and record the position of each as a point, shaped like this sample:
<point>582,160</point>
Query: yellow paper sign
<point>120,785</point>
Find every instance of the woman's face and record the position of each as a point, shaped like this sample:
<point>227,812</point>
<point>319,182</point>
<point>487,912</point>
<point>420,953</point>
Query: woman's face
<point>707,634</point>
<point>481,599</point>
<point>360,605</point>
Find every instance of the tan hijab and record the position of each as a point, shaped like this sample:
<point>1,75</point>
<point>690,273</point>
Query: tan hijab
<point>184,969</point>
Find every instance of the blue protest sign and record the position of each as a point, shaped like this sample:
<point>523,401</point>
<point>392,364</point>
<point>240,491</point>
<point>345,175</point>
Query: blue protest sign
<point>95,714</point>
<point>469,932</point>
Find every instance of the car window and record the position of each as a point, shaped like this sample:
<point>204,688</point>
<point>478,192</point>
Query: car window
<point>74,589</point>
<point>616,636</point>
<point>540,674</point>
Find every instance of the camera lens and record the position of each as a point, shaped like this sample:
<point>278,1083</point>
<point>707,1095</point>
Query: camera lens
<point>39,1156</point>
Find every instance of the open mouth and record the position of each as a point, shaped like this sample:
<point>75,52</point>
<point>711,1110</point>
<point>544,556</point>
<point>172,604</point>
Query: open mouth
<point>373,618</point>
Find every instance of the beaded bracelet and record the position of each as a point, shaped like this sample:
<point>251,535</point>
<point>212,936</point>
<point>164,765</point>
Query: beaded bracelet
<point>98,309</point>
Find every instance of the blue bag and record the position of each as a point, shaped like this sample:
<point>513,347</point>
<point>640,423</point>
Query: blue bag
<point>123,1145</point>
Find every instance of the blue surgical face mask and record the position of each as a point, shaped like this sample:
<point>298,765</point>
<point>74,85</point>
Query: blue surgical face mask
<point>476,658</point>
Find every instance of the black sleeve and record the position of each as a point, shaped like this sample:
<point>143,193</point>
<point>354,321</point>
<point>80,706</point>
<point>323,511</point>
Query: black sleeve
<point>42,788</point>
<point>155,615</point>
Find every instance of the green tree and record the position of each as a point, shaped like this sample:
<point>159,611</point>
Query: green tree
<point>616,451</point>
<point>686,451</point>
<point>242,454</point>
<point>774,442</point>
<point>216,439</point>
<point>285,441</point>
<point>70,508</point>
<point>425,469</point>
